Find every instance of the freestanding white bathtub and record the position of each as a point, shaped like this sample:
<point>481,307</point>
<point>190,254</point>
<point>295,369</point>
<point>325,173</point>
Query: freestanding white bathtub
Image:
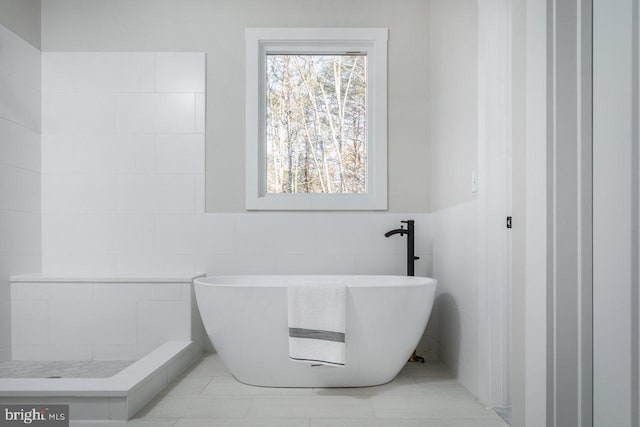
<point>246,319</point>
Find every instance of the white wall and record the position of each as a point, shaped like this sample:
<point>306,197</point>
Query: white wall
<point>456,310</point>
<point>122,195</point>
<point>453,101</point>
<point>22,17</point>
<point>453,58</point>
<point>217,28</point>
<point>471,129</point>
<point>19,169</point>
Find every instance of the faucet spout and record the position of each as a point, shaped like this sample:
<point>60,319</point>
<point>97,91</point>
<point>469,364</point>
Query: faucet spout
<point>400,231</point>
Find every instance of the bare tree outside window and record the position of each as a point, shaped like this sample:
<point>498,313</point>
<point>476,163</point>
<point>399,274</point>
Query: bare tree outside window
<point>316,127</point>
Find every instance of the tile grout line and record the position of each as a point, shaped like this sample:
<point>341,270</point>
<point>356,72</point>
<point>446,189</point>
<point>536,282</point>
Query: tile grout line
<point>253,400</point>
<point>373,410</point>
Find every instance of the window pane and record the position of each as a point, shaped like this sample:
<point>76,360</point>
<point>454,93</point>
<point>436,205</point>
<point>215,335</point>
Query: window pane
<point>316,124</point>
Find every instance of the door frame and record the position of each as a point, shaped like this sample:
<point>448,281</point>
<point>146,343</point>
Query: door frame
<point>558,282</point>
<point>494,200</point>
<point>534,405</point>
<point>616,213</point>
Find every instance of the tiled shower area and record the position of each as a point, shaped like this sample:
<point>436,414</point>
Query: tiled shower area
<point>122,160</point>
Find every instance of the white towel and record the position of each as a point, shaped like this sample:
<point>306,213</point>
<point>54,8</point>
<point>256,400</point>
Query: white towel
<point>317,319</point>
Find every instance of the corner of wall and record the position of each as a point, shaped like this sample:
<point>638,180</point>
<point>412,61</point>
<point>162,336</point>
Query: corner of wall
<point>24,19</point>
<point>20,226</point>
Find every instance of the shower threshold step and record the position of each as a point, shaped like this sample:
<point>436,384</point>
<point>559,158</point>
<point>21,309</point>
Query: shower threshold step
<point>116,398</point>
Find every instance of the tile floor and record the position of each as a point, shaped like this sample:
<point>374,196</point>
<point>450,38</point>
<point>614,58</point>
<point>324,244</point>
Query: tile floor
<point>208,396</point>
<point>63,369</point>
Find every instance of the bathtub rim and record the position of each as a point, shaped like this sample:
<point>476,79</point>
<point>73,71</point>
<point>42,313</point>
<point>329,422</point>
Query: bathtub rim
<point>253,280</point>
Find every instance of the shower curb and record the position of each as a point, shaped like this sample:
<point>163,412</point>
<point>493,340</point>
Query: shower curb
<point>117,398</point>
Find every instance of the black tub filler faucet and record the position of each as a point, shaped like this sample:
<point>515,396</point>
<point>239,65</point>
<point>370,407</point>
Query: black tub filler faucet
<point>409,231</point>
<point>411,258</point>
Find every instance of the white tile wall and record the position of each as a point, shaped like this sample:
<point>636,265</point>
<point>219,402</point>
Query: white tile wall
<point>24,189</point>
<point>30,318</point>
<point>94,113</point>
<point>25,148</point>
<point>5,330</point>
<point>71,321</point>
<point>58,112</point>
<point>5,231</point>
<point>58,153</point>
<point>135,112</point>
<point>456,310</point>
<point>123,158</point>
<point>175,113</point>
<point>20,241</point>
<point>200,112</point>
<point>78,193</point>
<point>134,154</point>
<point>175,193</point>
<point>94,154</point>
<point>58,71</point>
<point>160,321</point>
<point>134,234</point>
<point>120,316</point>
<point>25,233</point>
<point>88,320</point>
<point>180,153</point>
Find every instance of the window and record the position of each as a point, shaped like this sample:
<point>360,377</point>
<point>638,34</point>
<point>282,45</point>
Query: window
<point>316,119</point>
<point>316,126</point>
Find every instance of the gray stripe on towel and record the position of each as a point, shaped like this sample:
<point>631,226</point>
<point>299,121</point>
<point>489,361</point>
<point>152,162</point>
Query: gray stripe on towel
<point>316,334</point>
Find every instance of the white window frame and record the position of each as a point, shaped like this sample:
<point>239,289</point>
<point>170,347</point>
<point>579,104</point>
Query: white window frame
<point>262,41</point>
